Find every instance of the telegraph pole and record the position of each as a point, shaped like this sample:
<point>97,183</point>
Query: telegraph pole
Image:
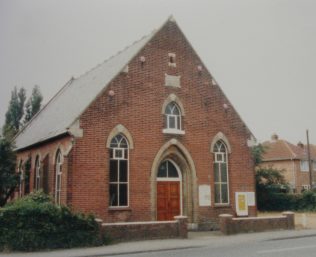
<point>309,161</point>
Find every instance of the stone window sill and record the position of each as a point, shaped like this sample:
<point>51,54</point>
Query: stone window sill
<point>173,131</point>
<point>119,209</point>
<point>224,205</point>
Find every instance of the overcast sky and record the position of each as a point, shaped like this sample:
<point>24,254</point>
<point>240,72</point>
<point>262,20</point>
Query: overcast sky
<point>261,52</point>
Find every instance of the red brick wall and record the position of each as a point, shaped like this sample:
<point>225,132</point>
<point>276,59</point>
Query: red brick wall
<point>230,225</point>
<point>137,104</point>
<point>49,149</point>
<point>131,231</point>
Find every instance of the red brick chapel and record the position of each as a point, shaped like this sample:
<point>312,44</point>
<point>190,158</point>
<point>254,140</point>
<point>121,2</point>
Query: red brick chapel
<point>146,135</point>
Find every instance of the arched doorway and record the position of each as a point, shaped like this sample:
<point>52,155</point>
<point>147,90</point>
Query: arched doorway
<point>180,157</point>
<point>169,191</point>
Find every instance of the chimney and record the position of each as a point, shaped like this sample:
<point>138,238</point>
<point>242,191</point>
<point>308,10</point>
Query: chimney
<point>274,137</point>
<point>300,144</point>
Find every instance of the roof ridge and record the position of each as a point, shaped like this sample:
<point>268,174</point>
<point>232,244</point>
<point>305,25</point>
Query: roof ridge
<point>116,54</point>
<point>41,110</point>
<point>287,145</point>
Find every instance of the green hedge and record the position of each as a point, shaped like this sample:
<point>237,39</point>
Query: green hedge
<point>272,201</point>
<point>34,222</point>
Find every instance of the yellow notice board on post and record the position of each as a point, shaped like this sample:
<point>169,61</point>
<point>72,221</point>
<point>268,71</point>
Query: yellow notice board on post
<point>241,203</point>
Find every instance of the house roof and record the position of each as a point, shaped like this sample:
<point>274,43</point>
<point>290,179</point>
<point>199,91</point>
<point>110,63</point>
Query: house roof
<point>57,116</point>
<point>279,149</point>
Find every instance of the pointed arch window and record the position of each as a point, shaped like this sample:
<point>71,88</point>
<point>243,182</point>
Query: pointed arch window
<point>118,189</point>
<point>173,116</point>
<point>58,173</point>
<point>221,173</point>
<point>37,173</point>
<point>21,178</point>
<point>173,119</point>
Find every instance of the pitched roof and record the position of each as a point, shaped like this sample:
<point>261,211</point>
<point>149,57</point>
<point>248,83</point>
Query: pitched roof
<point>281,150</point>
<point>65,108</point>
<point>69,103</point>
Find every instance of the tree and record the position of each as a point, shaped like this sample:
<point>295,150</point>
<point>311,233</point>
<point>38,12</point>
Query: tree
<point>33,105</point>
<point>9,179</point>
<point>18,109</point>
<point>15,113</point>
<point>257,152</point>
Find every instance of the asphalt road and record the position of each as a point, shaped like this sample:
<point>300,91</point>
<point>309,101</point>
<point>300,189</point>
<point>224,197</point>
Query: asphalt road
<point>285,243</point>
<point>301,246</point>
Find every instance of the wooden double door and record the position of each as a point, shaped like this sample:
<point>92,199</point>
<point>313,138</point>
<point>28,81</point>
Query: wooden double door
<point>168,200</point>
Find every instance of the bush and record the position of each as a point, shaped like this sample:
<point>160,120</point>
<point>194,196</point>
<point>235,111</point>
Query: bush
<point>288,202</point>
<point>34,222</point>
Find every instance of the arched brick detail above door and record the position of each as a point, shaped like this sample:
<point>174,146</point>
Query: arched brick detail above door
<point>177,152</point>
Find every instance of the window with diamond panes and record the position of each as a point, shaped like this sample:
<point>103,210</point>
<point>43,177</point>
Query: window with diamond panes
<point>221,173</point>
<point>118,172</point>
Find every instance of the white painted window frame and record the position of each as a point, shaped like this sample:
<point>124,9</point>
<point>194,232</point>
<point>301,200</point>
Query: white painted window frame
<point>58,177</point>
<point>304,166</point>
<point>114,157</point>
<point>220,183</point>
<point>177,120</point>
<point>37,173</point>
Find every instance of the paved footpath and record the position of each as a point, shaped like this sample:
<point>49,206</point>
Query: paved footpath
<point>195,240</point>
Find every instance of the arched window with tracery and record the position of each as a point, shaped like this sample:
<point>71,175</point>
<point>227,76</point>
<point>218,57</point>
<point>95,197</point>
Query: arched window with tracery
<point>119,172</point>
<point>221,173</point>
<point>58,176</point>
<point>173,116</point>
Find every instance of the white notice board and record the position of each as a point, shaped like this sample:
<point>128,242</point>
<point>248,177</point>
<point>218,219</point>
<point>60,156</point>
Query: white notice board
<point>205,195</point>
<point>251,198</point>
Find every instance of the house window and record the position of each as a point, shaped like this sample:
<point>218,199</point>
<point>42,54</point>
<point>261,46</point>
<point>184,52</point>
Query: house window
<point>118,172</point>
<point>306,187</point>
<point>173,119</point>
<point>314,165</point>
<point>221,173</point>
<point>304,166</point>
<point>37,173</point>
<point>58,170</point>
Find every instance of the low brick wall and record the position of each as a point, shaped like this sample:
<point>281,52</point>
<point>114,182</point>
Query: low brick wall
<point>131,231</point>
<point>230,225</point>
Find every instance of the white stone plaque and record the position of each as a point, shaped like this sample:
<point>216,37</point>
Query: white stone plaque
<point>205,195</point>
<point>251,198</point>
<point>172,81</point>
